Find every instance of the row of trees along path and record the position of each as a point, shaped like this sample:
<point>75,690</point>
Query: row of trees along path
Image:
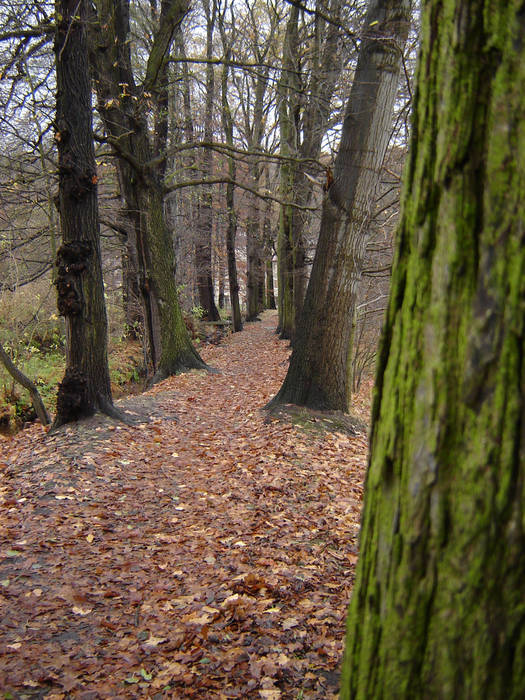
<point>205,551</point>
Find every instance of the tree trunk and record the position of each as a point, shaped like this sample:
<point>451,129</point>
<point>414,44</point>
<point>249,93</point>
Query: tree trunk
<point>437,610</point>
<point>304,113</point>
<point>130,289</point>
<point>231,231</point>
<point>220,249</point>
<point>318,375</point>
<point>176,350</point>
<point>131,300</point>
<point>187,167</point>
<point>122,107</point>
<point>254,232</point>
<point>203,245</point>
<point>254,258</point>
<point>255,122</point>
<point>232,263</point>
<point>288,91</point>
<point>86,384</point>
<point>269,295</point>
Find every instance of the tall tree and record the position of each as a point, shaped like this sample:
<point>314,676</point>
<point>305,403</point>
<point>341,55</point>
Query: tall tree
<point>268,237</point>
<point>123,104</point>
<point>203,243</point>
<point>437,609</point>
<point>311,65</point>
<point>186,166</point>
<point>262,25</point>
<point>288,90</point>
<point>231,214</point>
<point>319,370</point>
<point>86,384</point>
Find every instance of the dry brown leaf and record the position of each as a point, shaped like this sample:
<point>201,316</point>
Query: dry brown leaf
<point>81,610</point>
<point>289,623</point>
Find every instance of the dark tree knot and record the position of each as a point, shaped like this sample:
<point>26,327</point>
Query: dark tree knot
<point>72,260</point>
<point>73,399</point>
<point>76,181</point>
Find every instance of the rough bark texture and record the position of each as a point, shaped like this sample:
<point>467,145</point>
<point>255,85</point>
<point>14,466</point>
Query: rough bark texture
<point>231,231</point>
<point>122,105</point>
<point>131,300</point>
<point>288,91</point>
<point>318,375</point>
<point>86,384</point>
<point>254,252</point>
<point>203,243</point>
<point>269,291</point>
<point>438,608</point>
<point>254,234</point>
<point>304,113</point>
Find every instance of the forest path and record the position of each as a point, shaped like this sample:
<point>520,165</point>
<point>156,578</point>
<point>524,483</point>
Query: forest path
<point>210,556</point>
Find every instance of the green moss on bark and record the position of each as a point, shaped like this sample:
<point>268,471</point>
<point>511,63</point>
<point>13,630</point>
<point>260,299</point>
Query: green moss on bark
<point>437,609</point>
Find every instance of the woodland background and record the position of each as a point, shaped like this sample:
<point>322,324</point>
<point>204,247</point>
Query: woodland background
<point>215,115</point>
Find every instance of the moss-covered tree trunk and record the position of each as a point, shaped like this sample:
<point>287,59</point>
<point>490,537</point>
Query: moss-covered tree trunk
<point>123,107</point>
<point>438,607</point>
<point>86,385</point>
<point>174,351</point>
<point>318,375</point>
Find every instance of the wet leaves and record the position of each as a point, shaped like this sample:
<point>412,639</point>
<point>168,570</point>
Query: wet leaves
<point>205,553</point>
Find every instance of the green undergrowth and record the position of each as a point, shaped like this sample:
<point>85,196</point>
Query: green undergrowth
<point>45,367</point>
<point>41,357</point>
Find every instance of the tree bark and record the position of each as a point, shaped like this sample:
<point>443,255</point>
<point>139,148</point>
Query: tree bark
<point>288,91</point>
<point>187,167</point>
<point>437,609</point>
<point>254,238</point>
<point>304,114</point>
<point>122,106</point>
<point>86,384</point>
<point>203,244</point>
<point>255,118</point>
<point>269,293</point>
<point>254,258</point>
<point>221,271</point>
<point>231,231</point>
<point>318,375</point>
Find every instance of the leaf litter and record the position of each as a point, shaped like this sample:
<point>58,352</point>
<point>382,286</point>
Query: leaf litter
<point>206,552</point>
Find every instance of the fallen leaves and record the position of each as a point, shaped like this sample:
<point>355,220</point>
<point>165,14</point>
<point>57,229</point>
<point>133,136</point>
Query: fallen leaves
<point>208,557</point>
<point>289,623</point>
<point>79,610</point>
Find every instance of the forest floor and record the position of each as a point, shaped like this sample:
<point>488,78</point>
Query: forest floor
<point>206,552</point>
